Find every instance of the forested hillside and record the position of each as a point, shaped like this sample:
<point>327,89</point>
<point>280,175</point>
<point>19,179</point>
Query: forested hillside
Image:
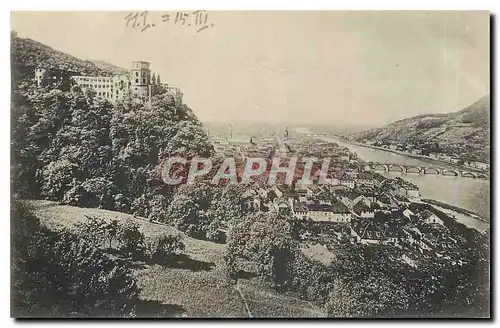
<point>27,54</point>
<point>467,130</point>
<point>110,67</point>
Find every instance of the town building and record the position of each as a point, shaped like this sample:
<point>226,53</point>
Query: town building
<point>407,189</point>
<point>364,178</point>
<point>481,165</point>
<point>329,211</point>
<point>365,232</point>
<point>410,258</point>
<point>349,197</point>
<point>431,218</point>
<point>362,210</point>
<point>378,179</point>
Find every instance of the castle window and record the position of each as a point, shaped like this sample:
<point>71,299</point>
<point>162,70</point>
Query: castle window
<point>136,80</point>
<point>136,73</point>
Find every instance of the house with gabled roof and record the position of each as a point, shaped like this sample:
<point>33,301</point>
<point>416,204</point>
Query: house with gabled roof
<point>362,210</point>
<point>367,232</point>
<point>431,218</point>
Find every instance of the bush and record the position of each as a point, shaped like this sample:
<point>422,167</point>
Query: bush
<point>163,247</point>
<point>93,231</point>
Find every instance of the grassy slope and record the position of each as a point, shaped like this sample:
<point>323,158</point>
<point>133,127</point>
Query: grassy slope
<point>201,289</point>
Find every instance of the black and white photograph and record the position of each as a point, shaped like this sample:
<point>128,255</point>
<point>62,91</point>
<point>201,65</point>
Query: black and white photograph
<point>250,164</point>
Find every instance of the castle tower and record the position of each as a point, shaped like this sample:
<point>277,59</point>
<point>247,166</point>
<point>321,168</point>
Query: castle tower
<point>140,78</point>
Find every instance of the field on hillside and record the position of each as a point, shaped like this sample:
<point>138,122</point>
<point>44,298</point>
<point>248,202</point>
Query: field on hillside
<point>195,286</point>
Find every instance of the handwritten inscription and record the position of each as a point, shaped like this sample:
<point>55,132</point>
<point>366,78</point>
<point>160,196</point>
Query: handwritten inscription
<point>197,19</point>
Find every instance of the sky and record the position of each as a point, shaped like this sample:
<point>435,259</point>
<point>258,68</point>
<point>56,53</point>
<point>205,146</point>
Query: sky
<point>364,68</point>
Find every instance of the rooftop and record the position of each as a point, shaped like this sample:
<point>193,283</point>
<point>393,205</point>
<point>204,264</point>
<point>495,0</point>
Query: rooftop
<point>338,206</point>
<point>350,194</point>
<point>361,207</point>
<point>379,177</point>
<point>426,214</point>
<point>365,176</point>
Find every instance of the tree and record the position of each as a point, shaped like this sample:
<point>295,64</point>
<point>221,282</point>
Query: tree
<point>100,193</point>
<point>130,238</point>
<point>188,207</point>
<point>266,239</point>
<point>58,177</point>
<point>111,230</point>
<point>98,232</point>
<point>158,206</point>
<point>93,231</point>
<point>153,79</point>
<point>158,81</point>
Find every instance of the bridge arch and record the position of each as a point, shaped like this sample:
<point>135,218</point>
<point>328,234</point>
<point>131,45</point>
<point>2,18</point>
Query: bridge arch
<point>380,167</point>
<point>395,168</point>
<point>413,169</point>
<point>482,176</point>
<point>448,172</point>
<point>468,175</point>
<point>431,170</point>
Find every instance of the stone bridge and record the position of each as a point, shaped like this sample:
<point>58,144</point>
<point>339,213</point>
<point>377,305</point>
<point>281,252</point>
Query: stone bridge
<point>413,169</point>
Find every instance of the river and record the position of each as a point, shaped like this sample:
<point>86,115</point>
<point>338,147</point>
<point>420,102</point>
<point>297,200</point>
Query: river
<point>468,193</point>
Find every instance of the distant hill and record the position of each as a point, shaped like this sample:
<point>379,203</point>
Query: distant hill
<point>467,129</point>
<point>110,67</point>
<point>27,54</point>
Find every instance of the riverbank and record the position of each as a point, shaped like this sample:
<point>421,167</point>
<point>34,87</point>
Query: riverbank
<point>460,215</point>
<point>455,209</point>
<point>421,157</point>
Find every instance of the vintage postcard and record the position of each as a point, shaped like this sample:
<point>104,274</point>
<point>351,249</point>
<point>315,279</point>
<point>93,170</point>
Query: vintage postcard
<point>250,164</point>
